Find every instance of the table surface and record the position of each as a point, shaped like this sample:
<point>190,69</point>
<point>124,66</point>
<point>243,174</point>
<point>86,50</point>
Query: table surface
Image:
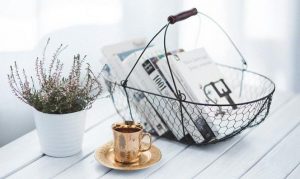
<point>271,150</point>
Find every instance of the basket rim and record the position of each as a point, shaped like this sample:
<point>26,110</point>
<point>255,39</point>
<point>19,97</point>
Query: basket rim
<point>206,104</point>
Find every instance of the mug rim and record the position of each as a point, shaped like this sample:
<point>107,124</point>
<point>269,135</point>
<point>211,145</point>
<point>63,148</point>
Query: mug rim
<point>138,125</point>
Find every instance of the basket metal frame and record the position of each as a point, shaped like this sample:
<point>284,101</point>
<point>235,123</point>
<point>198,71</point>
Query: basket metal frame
<point>180,96</point>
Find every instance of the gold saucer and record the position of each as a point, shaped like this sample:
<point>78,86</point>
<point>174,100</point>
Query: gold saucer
<point>105,156</point>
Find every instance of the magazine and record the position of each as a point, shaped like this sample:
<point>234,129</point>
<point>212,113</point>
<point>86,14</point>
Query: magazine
<point>196,76</point>
<point>148,77</point>
<point>204,84</point>
<point>202,126</point>
<point>116,55</point>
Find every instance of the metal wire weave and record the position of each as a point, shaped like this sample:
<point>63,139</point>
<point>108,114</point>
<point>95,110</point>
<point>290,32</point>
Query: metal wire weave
<point>226,122</point>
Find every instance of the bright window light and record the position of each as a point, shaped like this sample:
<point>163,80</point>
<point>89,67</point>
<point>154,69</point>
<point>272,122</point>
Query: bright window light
<point>23,23</point>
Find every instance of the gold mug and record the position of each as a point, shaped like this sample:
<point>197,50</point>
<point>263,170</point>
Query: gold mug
<point>128,142</point>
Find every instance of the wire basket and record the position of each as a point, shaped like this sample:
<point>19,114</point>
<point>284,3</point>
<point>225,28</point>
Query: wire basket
<point>199,123</point>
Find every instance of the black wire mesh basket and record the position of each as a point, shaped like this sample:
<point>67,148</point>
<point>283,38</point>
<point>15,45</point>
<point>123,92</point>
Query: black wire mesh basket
<point>190,121</point>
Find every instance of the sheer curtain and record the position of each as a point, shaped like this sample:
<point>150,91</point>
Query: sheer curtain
<point>18,25</point>
<point>23,23</point>
<point>266,31</point>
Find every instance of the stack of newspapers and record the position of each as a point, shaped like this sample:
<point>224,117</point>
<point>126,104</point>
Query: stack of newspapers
<point>196,76</point>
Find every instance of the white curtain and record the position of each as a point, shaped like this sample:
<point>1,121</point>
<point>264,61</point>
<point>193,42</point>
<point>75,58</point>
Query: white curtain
<point>23,23</point>
<point>266,31</point>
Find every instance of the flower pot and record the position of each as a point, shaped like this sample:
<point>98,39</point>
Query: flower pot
<point>60,135</point>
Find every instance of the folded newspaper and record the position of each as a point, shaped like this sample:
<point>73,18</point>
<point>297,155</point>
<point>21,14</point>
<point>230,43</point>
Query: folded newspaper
<point>195,75</point>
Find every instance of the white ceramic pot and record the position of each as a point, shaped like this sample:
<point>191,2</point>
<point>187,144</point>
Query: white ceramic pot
<point>60,135</point>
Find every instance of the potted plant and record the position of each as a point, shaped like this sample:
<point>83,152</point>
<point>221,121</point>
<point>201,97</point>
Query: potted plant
<point>59,103</point>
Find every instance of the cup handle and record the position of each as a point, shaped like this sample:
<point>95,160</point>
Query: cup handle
<point>149,147</point>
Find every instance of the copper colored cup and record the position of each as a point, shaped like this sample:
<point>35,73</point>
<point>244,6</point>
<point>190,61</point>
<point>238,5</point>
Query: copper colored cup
<point>127,142</point>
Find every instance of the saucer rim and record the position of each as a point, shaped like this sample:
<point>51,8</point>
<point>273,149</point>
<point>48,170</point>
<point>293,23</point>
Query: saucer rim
<point>125,168</point>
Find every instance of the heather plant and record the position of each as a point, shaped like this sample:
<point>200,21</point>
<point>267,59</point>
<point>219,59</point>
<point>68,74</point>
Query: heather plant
<point>52,92</point>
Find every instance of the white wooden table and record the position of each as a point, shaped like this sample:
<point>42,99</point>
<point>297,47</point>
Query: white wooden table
<point>271,150</point>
